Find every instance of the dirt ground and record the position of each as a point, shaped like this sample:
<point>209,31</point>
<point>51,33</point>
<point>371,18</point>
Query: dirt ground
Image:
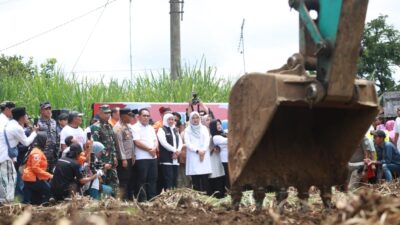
<point>373,205</point>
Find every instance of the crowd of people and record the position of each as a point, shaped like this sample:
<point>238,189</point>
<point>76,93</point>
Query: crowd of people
<point>377,157</point>
<point>120,154</point>
<point>124,155</point>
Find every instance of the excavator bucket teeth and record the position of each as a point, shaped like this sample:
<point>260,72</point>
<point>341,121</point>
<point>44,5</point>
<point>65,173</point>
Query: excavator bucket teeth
<point>279,138</point>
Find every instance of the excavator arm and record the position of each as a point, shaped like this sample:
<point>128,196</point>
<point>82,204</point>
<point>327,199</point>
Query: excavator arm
<point>331,42</point>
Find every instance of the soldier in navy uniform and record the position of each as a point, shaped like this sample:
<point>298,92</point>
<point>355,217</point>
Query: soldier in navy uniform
<point>48,126</point>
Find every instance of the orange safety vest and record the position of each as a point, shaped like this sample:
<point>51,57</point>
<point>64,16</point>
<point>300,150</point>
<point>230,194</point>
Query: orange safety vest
<point>157,125</point>
<point>36,167</point>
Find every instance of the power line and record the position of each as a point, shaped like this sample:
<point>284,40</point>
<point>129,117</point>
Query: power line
<point>58,26</point>
<point>90,35</point>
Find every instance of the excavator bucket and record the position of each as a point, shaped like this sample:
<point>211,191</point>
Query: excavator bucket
<point>278,138</point>
<point>290,129</point>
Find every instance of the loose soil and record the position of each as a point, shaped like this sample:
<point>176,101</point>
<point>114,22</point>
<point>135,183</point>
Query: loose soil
<point>372,205</point>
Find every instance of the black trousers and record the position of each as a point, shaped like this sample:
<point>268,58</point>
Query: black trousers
<point>37,192</point>
<point>216,187</point>
<point>146,179</point>
<point>169,176</point>
<point>126,179</point>
<point>160,181</point>
<point>200,182</point>
<point>227,182</point>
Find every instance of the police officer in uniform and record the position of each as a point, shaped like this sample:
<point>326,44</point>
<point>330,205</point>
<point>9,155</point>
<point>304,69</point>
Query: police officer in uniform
<point>48,126</point>
<point>103,133</point>
<point>125,153</point>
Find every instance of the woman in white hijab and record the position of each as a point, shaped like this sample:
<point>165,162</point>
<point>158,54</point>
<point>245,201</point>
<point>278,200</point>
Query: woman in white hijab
<point>170,148</point>
<point>198,164</point>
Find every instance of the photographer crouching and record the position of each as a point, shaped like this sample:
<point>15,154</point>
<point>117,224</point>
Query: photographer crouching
<point>68,176</point>
<point>97,187</point>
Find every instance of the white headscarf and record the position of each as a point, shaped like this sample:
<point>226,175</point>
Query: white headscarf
<point>165,119</point>
<point>195,128</point>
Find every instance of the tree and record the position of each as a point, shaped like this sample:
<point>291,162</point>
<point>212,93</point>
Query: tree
<point>49,68</point>
<point>381,53</point>
<point>15,66</point>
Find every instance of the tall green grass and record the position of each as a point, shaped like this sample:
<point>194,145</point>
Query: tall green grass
<point>80,93</point>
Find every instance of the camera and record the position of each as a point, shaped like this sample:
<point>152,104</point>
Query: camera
<point>89,136</point>
<point>94,164</point>
<point>195,99</point>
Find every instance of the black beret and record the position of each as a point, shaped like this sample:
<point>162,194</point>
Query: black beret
<point>135,111</point>
<point>124,111</point>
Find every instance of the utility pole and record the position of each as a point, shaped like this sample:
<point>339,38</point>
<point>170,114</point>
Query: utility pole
<point>241,46</point>
<point>176,12</point>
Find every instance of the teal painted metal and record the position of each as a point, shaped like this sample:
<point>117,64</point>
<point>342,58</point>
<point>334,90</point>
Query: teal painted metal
<point>329,16</point>
<point>309,23</point>
<point>323,32</point>
<point>328,24</point>
<point>328,21</point>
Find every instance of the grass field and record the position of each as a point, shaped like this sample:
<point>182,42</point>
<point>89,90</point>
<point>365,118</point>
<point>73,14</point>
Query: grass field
<point>79,93</point>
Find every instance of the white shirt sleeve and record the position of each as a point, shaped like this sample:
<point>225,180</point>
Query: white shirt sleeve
<point>136,133</point>
<point>62,137</point>
<point>397,127</point>
<point>19,135</point>
<point>219,140</point>
<point>163,141</point>
<point>205,135</point>
<point>189,145</point>
<point>155,138</point>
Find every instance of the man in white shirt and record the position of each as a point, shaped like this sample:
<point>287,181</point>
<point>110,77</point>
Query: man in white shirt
<point>146,143</point>
<point>73,129</point>
<point>6,115</point>
<point>15,134</point>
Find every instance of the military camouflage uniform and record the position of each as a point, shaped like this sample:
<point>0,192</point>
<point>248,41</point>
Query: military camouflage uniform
<point>49,127</point>
<point>58,143</point>
<point>103,133</point>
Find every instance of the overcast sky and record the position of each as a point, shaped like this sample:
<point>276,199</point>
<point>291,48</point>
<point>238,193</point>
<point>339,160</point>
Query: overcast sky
<point>210,30</point>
